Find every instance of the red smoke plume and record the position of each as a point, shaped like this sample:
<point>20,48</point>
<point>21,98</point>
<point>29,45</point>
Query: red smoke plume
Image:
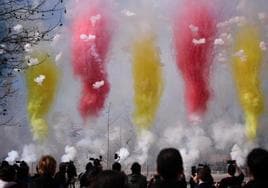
<point>91,37</point>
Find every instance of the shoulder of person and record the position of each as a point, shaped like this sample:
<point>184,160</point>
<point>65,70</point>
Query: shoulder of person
<point>249,184</point>
<point>11,185</point>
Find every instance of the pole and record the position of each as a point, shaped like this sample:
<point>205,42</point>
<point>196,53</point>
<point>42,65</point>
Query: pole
<point>120,136</point>
<point>108,136</point>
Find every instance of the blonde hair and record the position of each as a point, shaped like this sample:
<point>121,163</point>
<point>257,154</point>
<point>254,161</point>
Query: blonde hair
<point>47,165</point>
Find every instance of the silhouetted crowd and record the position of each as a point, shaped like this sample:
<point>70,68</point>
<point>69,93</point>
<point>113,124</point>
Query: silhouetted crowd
<point>170,174</point>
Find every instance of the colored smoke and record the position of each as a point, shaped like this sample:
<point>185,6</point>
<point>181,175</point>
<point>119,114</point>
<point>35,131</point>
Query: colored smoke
<point>194,33</point>
<point>41,93</point>
<point>91,38</point>
<point>247,61</point>
<point>148,81</point>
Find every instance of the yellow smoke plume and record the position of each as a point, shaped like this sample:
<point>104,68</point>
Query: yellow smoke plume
<point>148,81</point>
<point>247,61</point>
<point>42,82</point>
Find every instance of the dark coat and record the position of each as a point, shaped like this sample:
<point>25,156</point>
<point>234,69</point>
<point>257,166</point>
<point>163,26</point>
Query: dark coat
<point>43,182</point>
<point>204,185</point>
<point>232,182</point>
<point>256,184</point>
<point>168,184</point>
<point>61,180</point>
<point>136,181</point>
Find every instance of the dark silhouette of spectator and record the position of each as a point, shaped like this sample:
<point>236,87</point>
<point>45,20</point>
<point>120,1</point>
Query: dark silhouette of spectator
<point>110,179</point>
<point>23,178</point>
<point>7,176</point>
<point>257,162</point>
<point>116,166</point>
<point>4,164</point>
<point>36,174</point>
<point>193,177</point>
<point>92,171</point>
<point>182,179</point>
<point>170,169</point>
<point>87,177</point>
<point>155,180</point>
<point>97,166</point>
<point>204,177</point>
<point>232,181</point>
<point>210,179</point>
<point>71,173</point>
<point>46,171</point>
<point>61,176</point>
<point>136,179</point>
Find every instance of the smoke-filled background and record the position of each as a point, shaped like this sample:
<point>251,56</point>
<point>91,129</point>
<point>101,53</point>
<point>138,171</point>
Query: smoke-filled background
<point>102,105</point>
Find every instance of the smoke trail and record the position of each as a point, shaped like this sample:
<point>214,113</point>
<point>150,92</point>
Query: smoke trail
<point>247,62</point>
<point>90,43</point>
<point>148,83</point>
<point>42,82</point>
<point>194,33</point>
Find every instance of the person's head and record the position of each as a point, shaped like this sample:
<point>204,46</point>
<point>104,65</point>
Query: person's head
<point>110,179</point>
<point>23,170</point>
<point>257,161</point>
<point>204,173</point>
<point>231,169</point>
<point>193,170</point>
<point>7,173</point>
<point>4,164</point>
<point>136,168</point>
<point>62,167</point>
<point>116,166</point>
<point>169,163</point>
<point>89,166</point>
<point>97,164</point>
<point>47,165</point>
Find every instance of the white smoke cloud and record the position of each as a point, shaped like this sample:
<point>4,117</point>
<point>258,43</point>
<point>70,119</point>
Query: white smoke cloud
<point>239,155</point>
<point>31,61</point>
<point>40,79</point>
<point>199,41</point>
<point>144,141</point>
<point>70,154</point>
<point>123,153</point>
<point>12,156</point>
<point>58,57</point>
<point>219,41</point>
<point>192,142</point>
<point>56,39</point>
<point>94,19</point>
<point>98,84</point>
<point>193,28</point>
<point>241,54</point>
<point>88,37</point>
<point>236,134</point>
<point>263,46</point>
<point>128,13</point>
<point>29,153</point>
<point>18,28</point>
<point>28,47</point>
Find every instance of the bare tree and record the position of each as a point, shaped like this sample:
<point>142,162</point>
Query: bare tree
<point>20,30</point>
